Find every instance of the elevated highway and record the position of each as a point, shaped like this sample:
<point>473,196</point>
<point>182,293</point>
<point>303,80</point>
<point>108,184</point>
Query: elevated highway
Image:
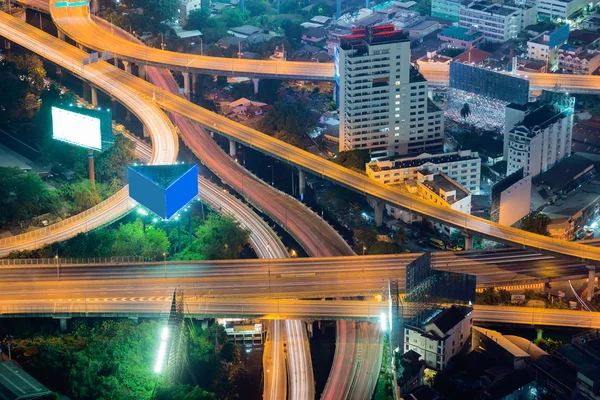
<point>356,310</point>
<point>308,162</point>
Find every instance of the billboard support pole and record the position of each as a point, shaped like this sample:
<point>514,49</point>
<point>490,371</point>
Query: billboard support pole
<point>91,166</point>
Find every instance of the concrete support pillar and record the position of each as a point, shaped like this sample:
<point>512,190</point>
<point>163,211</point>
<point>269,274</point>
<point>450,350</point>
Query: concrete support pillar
<point>468,241</point>
<point>63,324</point>
<point>302,183</point>
<point>86,91</point>
<point>61,36</point>
<point>186,84</point>
<point>194,80</point>
<point>94,6</point>
<point>146,132</point>
<point>116,62</point>
<point>232,148</point>
<point>58,70</point>
<point>378,207</point>
<point>7,44</point>
<point>142,71</point>
<point>79,46</point>
<point>127,66</point>
<point>94,96</point>
<point>255,81</point>
<point>591,281</point>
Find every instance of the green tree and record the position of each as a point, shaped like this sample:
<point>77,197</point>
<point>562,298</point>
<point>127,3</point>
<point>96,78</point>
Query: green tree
<point>24,195</point>
<point>364,237</point>
<point>231,17</point>
<point>131,240</point>
<point>183,392</point>
<point>268,89</point>
<point>256,7</point>
<point>30,67</point>
<point>291,28</point>
<point>290,116</point>
<point>218,238</point>
<point>162,10</point>
<point>155,243</point>
<point>198,19</point>
<point>595,111</point>
<point>548,345</point>
<point>83,195</point>
<point>353,159</point>
<point>465,111</point>
<point>536,223</point>
<point>113,162</point>
<point>489,297</point>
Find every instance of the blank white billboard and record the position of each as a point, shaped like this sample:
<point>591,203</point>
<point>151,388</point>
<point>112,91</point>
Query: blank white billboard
<point>75,128</point>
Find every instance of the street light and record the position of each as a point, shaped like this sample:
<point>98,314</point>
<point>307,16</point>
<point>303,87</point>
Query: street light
<point>294,254</point>
<point>57,262</point>
<point>363,259</point>
<point>165,261</point>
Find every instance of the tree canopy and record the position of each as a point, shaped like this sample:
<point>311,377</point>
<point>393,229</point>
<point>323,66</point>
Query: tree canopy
<point>132,240</point>
<point>536,223</point>
<point>353,159</point>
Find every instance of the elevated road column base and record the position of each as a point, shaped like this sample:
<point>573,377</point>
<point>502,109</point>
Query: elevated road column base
<point>468,241</point>
<point>232,148</point>
<point>186,84</point>
<point>591,281</point>
<point>116,62</point>
<point>80,46</point>
<point>127,66</point>
<point>302,183</point>
<point>255,81</point>
<point>142,71</point>
<point>146,132</point>
<point>194,80</point>
<point>94,96</point>
<point>378,207</point>
<point>6,44</point>
<point>61,36</point>
<point>63,324</point>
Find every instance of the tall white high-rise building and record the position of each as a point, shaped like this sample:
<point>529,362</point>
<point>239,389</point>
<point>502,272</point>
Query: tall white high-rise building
<point>383,101</point>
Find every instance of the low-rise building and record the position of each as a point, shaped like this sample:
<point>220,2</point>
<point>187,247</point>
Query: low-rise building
<point>583,354</point>
<point>437,188</point>
<point>314,35</point>
<point>576,60</point>
<point>441,336</point>
<point>511,199</point>
<point>460,38</point>
<point>498,22</point>
<point>422,29</point>
<point>500,348</point>
<point>539,49</point>
<point>462,166</point>
<point>243,31</point>
<point>406,19</point>
<point>446,9</point>
<point>591,22</point>
<point>560,9</point>
<point>187,6</point>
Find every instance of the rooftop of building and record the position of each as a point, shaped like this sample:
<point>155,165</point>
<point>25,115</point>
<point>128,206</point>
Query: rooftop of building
<point>449,318</point>
<point>492,7</point>
<point>17,384</point>
<point>507,182</point>
<point>459,33</point>
<point>360,37</point>
<point>473,56</point>
<point>541,117</point>
<point>586,364</point>
<point>317,32</point>
<point>245,29</point>
<point>441,182</point>
<point>576,201</point>
<point>502,341</point>
<point>579,36</point>
<point>423,25</point>
<point>566,170</point>
<point>508,384</point>
<point>541,39</point>
<point>586,136</point>
<point>557,369</point>
<point>421,159</point>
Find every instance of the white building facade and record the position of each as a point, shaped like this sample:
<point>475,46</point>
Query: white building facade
<point>538,137</point>
<point>441,337</point>
<point>498,22</point>
<point>383,103</point>
<point>462,166</point>
<point>560,9</point>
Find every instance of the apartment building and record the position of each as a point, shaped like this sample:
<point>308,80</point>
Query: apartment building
<point>383,102</point>
<point>538,135</point>
<point>446,9</point>
<point>497,22</point>
<point>462,166</point>
<point>560,9</point>
<point>441,336</point>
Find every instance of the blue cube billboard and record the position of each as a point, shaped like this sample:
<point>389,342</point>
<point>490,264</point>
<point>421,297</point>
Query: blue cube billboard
<point>163,189</point>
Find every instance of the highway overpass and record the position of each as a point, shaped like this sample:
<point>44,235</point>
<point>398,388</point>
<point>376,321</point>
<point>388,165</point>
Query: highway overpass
<point>283,309</point>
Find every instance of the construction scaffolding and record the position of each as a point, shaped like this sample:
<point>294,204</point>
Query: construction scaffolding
<point>177,350</point>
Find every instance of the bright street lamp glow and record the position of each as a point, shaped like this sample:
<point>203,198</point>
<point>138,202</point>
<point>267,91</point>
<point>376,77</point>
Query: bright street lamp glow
<point>162,350</point>
<point>383,322</point>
